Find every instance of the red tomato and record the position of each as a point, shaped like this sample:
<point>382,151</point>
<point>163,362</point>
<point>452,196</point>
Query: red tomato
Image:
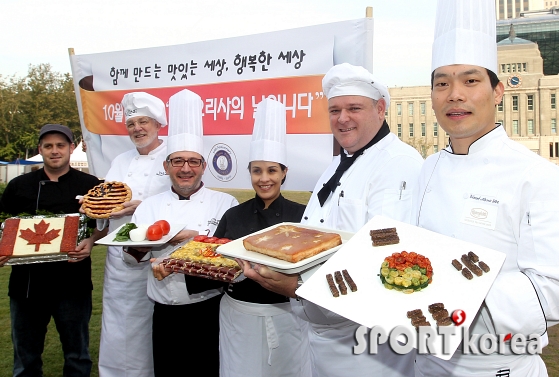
<point>211,240</point>
<point>165,227</point>
<point>222,241</point>
<point>154,233</point>
<point>200,238</point>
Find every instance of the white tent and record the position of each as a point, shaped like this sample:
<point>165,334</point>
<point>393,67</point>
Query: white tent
<point>78,159</point>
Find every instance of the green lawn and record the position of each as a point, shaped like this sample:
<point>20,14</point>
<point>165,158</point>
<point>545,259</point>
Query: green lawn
<point>52,356</point>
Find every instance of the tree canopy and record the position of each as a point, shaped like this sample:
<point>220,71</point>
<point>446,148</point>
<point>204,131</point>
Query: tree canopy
<point>30,102</point>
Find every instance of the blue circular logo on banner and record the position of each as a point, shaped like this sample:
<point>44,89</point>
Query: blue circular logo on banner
<point>223,162</point>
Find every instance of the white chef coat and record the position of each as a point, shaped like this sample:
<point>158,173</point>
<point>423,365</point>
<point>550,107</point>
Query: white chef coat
<point>125,348</point>
<point>201,213</point>
<point>373,185</point>
<point>521,189</point>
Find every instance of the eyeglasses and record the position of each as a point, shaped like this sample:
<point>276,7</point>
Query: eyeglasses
<point>179,162</point>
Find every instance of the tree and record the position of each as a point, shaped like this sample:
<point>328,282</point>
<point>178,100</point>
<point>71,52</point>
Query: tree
<point>421,145</point>
<point>26,104</point>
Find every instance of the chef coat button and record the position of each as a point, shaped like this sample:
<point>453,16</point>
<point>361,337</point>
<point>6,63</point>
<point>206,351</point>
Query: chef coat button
<point>152,157</point>
<point>202,296</point>
<point>324,184</point>
<point>306,217</point>
<point>146,174</point>
<point>277,214</point>
<point>255,211</point>
<point>199,224</point>
<point>139,193</point>
<point>129,174</point>
<point>168,204</point>
<point>485,161</point>
<point>453,236</point>
<point>137,157</point>
<point>428,189</point>
<point>465,196</point>
<point>339,183</point>
<point>321,220</point>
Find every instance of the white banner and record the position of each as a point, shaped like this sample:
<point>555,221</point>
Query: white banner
<point>231,76</point>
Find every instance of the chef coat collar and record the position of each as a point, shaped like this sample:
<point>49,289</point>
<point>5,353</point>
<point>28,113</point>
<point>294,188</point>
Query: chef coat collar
<point>180,197</point>
<point>275,205</point>
<point>159,148</point>
<point>481,143</point>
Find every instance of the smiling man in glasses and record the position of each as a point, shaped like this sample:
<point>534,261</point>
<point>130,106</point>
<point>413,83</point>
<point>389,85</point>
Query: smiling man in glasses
<point>187,203</point>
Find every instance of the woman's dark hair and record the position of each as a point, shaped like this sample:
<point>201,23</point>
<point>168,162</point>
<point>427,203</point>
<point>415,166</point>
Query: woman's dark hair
<point>282,166</point>
<point>492,78</point>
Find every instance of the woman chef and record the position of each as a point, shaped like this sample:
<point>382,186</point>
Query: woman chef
<point>259,336</point>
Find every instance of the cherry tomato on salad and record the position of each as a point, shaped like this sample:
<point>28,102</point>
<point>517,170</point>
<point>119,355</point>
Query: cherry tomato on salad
<point>200,238</point>
<point>211,239</point>
<point>165,226</point>
<point>154,233</point>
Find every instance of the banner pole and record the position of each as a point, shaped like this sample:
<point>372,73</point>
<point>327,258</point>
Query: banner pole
<point>369,26</point>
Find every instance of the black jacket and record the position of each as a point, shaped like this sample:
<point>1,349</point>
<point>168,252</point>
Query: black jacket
<point>250,217</point>
<point>35,190</point>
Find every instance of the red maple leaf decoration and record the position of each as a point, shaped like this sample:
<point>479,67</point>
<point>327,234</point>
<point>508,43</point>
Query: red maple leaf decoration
<point>40,235</point>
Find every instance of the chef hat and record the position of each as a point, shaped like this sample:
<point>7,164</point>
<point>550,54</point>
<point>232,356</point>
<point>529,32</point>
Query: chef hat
<point>268,135</point>
<point>350,80</point>
<point>465,33</point>
<point>185,123</point>
<point>143,104</point>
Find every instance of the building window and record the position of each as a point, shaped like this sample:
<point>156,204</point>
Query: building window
<point>410,109</point>
<point>515,127</point>
<point>399,130</point>
<point>502,68</point>
<point>524,67</point>
<point>422,106</point>
<point>399,109</point>
<point>423,129</point>
<point>514,103</point>
<point>554,149</point>
<point>530,102</point>
<point>553,126</point>
<point>435,129</point>
<point>500,105</point>
<point>435,148</point>
<point>530,126</point>
<point>411,129</point>
<point>553,101</point>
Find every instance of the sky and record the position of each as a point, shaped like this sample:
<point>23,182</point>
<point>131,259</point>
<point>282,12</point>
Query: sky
<point>39,31</point>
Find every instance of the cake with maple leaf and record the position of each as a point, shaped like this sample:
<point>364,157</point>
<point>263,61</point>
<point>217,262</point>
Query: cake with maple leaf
<point>291,243</point>
<point>39,236</point>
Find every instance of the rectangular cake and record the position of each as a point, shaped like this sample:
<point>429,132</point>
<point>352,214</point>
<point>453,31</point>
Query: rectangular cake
<point>291,243</point>
<point>39,236</point>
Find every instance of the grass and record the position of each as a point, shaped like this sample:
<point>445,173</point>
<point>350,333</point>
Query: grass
<point>52,356</point>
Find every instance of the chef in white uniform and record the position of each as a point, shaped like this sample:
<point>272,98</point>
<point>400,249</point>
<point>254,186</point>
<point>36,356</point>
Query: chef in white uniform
<point>482,168</point>
<point>186,316</point>
<point>125,348</point>
<point>375,174</point>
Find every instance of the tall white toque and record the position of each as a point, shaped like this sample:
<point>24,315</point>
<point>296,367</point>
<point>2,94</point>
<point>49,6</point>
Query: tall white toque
<point>268,135</point>
<point>465,33</point>
<point>185,123</point>
<point>144,104</point>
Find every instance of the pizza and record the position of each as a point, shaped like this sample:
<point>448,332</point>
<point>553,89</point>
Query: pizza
<point>291,243</point>
<point>24,237</point>
<point>105,198</point>
<point>202,259</point>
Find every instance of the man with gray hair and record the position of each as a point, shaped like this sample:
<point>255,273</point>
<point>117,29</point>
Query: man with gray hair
<point>125,348</point>
<point>375,174</point>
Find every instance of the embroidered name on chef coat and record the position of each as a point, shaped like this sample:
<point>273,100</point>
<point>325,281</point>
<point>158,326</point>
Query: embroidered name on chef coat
<point>481,211</point>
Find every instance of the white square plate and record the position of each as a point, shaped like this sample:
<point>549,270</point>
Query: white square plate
<point>235,249</point>
<point>373,304</point>
<point>109,238</point>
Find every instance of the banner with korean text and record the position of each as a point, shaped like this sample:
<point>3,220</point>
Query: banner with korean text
<point>231,76</point>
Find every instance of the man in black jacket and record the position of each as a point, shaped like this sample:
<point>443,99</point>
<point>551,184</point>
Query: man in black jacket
<point>61,290</point>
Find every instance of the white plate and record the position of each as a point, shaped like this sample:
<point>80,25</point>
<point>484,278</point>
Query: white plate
<point>109,238</point>
<point>235,249</point>
<point>373,304</point>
